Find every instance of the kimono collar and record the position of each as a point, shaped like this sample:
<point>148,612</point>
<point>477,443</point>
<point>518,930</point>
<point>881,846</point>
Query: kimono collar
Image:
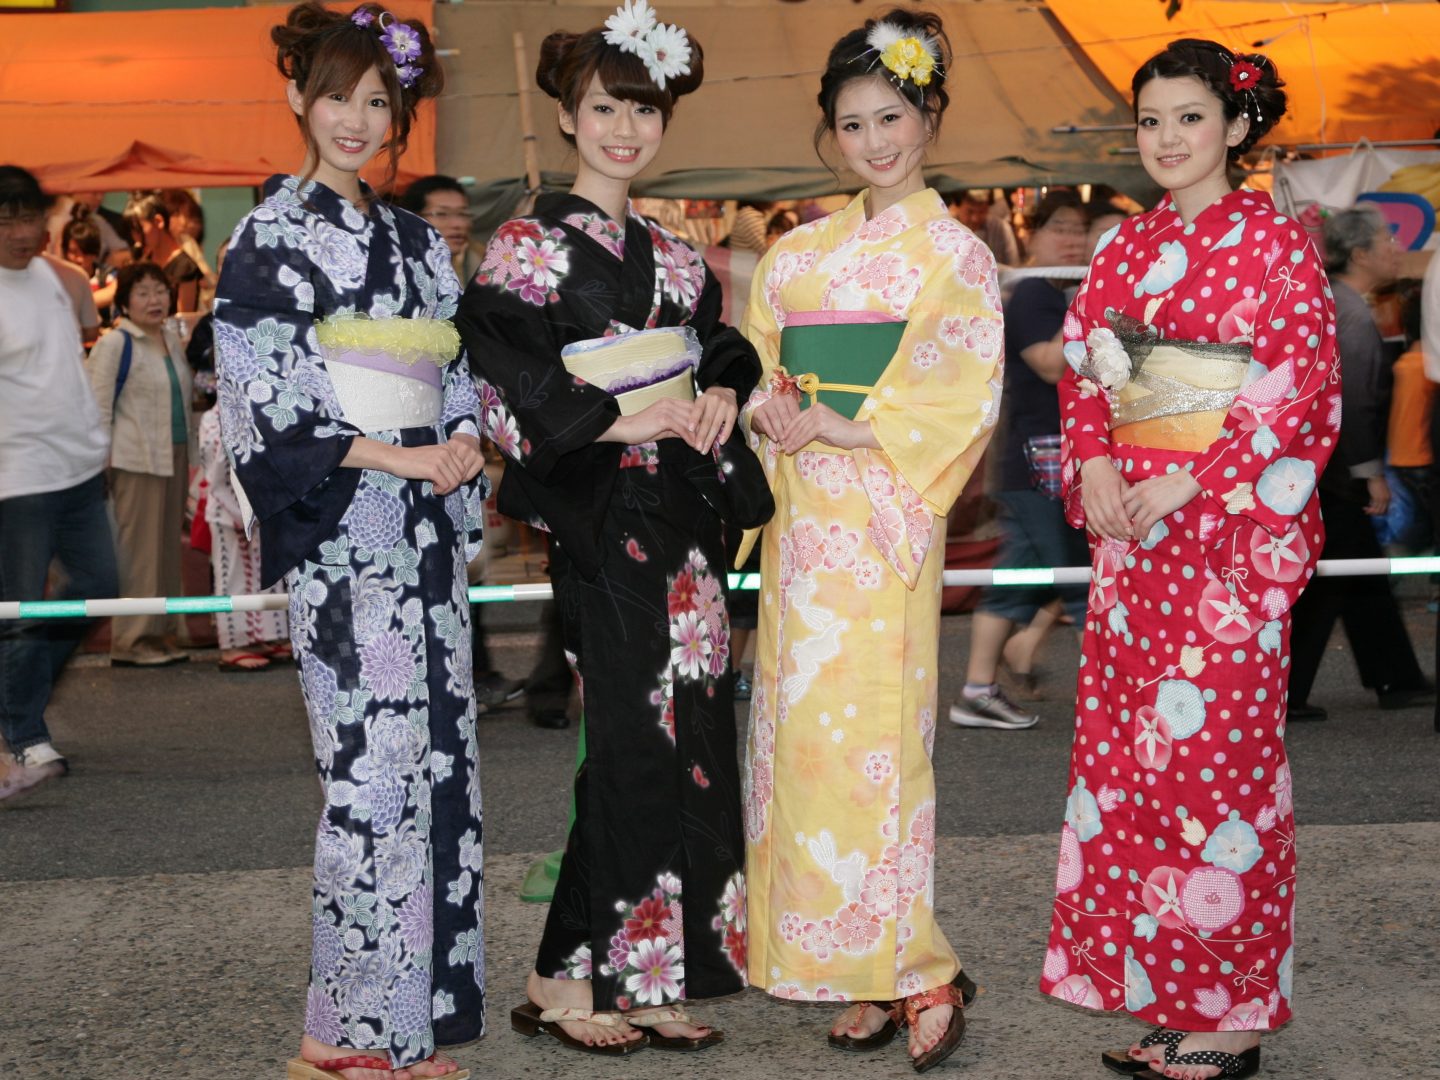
<point>1225,204</point>
<point>915,209</point>
<point>562,204</point>
<point>326,202</point>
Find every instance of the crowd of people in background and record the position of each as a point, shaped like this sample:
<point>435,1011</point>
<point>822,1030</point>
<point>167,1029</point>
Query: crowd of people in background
<point>142,413</point>
<point>139,287</point>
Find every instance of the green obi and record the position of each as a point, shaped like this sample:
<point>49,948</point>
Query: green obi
<point>837,357</point>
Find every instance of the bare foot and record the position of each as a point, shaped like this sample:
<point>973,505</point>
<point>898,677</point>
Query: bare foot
<point>1227,1042</point>
<point>929,1028</point>
<point>677,1029</point>
<point>860,1021</point>
<point>313,1051</point>
<point>576,994</point>
<point>244,658</point>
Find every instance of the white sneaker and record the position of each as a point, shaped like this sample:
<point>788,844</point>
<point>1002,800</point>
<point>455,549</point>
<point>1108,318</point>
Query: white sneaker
<point>30,768</point>
<point>993,710</point>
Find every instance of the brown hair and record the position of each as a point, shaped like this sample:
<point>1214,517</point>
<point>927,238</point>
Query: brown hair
<point>569,61</point>
<point>326,52</point>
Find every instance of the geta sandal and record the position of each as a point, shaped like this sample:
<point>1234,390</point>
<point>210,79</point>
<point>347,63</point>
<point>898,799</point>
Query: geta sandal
<point>529,1020</point>
<point>1120,1061</point>
<point>894,1020</point>
<point>300,1069</point>
<point>952,994</point>
<point>1231,1066</point>
<point>669,1014</point>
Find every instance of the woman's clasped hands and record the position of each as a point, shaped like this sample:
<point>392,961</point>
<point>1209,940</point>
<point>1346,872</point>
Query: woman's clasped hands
<point>792,428</point>
<point>704,423</point>
<point>1116,509</point>
<point>446,465</point>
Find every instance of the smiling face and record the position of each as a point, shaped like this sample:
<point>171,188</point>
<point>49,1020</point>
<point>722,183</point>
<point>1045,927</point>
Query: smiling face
<point>882,138</point>
<point>348,128</point>
<point>615,139</point>
<point>1183,136</point>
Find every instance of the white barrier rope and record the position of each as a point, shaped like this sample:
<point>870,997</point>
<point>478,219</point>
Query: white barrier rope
<point>494,594</point>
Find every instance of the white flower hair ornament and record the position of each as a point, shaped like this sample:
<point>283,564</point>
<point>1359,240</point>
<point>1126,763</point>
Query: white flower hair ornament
<point>913,57</point>
<point>664,50</point>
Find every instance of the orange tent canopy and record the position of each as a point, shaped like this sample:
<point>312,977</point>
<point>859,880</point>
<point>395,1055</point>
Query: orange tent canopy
<point>159,99</point>
<point>1352,70</point>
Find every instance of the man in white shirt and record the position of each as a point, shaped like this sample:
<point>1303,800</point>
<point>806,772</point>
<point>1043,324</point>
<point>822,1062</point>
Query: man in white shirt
<point>52,488</point>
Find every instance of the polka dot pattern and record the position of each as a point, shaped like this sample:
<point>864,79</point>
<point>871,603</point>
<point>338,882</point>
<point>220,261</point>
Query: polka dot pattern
<point>1176,891</point>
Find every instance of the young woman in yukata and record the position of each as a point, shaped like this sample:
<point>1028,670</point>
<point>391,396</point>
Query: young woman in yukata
<point>649,908</point>
<point>883,321</point>
<point>1203,401</point>
<point>351,423</point>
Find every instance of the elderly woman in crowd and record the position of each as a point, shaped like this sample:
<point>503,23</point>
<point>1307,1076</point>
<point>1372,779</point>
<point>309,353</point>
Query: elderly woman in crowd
<point>142,387</point>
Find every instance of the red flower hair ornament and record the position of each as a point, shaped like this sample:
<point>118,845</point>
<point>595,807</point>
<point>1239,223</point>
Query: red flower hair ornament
<point>1244,76</point>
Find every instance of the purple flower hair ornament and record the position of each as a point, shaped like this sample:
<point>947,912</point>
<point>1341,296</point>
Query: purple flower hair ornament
<point>401,41</point>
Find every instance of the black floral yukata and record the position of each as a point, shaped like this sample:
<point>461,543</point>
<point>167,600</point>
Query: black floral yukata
<point>379,617</point>
<point>650,901</point>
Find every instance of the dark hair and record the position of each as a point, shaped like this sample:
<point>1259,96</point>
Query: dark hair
<point>852,58</point>
<point>416,194</point>
<point>1408,291</point>
<point>132,275</point>
<point>178,201</point>
<point>569,61</point>
<point>1262,103</point>
<point>83,234</point>
<point>1055,200</point>
<point>782,221</point>
<point>326,52</point>
<point>141,208</point>
<point>20,191</point>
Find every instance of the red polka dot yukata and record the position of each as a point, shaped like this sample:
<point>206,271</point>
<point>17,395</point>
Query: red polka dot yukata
<point>1175,893</point>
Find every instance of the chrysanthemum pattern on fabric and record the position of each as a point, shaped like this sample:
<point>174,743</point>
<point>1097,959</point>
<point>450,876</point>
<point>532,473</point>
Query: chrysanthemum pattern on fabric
<point>1175,888</point>
<point>379,617</point>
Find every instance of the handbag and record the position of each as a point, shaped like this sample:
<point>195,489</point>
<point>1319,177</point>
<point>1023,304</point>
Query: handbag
<point>1042,454</point>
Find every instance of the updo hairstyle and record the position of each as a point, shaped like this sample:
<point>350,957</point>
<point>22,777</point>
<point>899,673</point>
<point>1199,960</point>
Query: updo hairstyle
<point>853,58</point>
<point>1262,103</point>
<point>569,61</point>
<point>326,52</point>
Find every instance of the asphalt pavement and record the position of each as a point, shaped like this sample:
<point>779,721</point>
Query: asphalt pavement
<point>154,901</point>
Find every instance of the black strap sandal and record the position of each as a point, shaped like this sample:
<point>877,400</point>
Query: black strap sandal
<point>1120,1061</point>
<point>1231,1066</point>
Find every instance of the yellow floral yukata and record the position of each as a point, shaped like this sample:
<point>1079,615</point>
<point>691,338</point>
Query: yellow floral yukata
<point>840,794</point>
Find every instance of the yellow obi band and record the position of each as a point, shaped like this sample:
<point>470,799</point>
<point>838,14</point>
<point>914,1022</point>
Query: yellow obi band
<point>387,372</point>
<point>402,341</point>
<point>1179,394</point>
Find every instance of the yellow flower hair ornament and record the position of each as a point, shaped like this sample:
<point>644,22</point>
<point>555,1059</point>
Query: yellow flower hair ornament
<point>912,57</point>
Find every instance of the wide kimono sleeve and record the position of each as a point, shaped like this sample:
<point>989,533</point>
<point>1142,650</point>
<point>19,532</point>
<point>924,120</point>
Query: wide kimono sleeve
<point>460,403</point>
<point>1084,411</point>
<point>935,406</point>
<point>283,428</point>
<point>511,321</point>
<point>728,359</point>
<point>1284,423</point>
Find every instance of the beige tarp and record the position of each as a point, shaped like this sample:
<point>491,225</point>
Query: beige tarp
<point>748,130</point>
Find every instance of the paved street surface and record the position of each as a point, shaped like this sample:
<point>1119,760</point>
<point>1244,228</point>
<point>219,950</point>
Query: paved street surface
<point>155,902</point>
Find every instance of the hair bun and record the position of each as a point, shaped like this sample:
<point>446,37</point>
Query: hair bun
<point>554,51</point>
